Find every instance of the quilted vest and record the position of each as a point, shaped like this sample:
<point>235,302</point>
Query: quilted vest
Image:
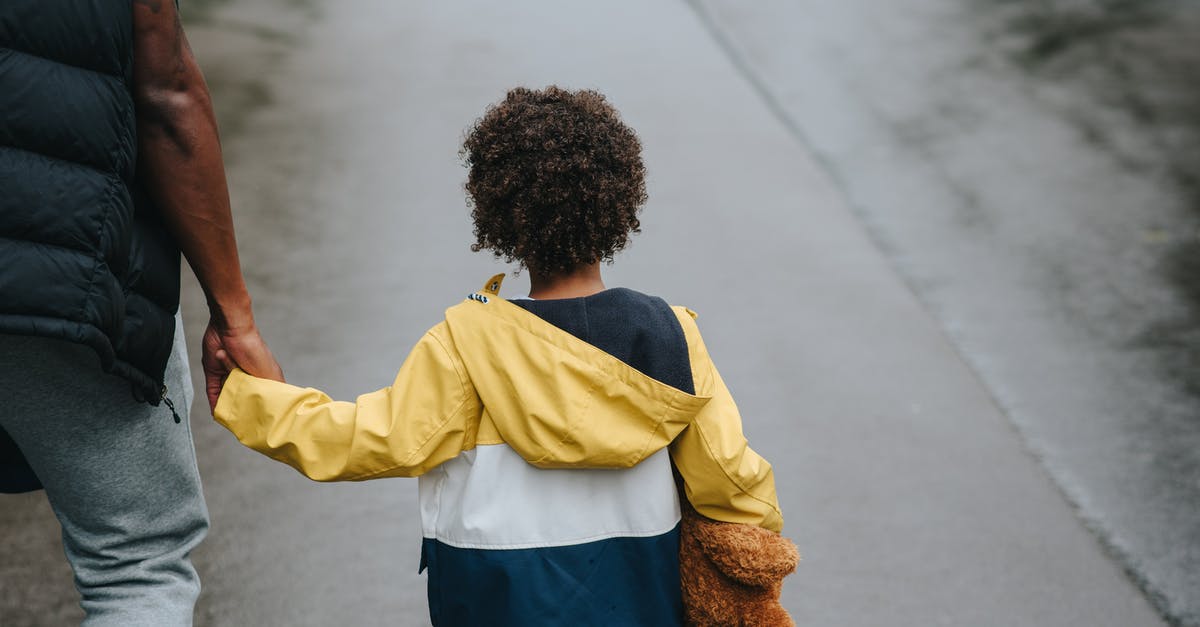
<point>84,255</point>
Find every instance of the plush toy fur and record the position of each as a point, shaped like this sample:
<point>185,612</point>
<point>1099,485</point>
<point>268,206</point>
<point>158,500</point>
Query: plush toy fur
<point>732,574</point>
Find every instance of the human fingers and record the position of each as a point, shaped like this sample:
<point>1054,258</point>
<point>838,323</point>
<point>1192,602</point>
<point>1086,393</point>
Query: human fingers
<point>225,360</point>
<point>251,353</point>
<point>215,371</point>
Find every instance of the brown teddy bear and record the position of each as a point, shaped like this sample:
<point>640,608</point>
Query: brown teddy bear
<point>731,574</point>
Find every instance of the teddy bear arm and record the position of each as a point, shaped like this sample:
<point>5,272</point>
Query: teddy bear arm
<point>745,553</point>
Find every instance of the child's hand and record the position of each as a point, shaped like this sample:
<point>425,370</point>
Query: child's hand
<point>225,366</point>
<point>227,363</point>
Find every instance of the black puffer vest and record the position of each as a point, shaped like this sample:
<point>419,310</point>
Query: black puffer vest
<point>83,254</point>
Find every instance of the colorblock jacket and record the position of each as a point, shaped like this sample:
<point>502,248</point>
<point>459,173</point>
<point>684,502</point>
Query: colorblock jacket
<point>544,434</point>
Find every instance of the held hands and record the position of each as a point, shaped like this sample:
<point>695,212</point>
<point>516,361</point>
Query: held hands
<point>224,348</point>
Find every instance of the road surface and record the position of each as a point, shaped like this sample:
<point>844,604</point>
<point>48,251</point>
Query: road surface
<point>912,496</point>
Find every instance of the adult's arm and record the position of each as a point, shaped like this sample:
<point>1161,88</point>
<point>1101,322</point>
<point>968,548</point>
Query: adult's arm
<point>181,167</point>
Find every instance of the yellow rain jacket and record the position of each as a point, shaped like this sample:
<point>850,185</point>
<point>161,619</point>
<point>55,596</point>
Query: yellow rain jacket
<point>492,373</point>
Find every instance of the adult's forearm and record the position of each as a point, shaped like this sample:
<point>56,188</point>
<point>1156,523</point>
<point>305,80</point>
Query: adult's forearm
<point>181,167</point>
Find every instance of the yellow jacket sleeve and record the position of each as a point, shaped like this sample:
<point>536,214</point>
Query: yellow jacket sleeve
<point>428,415</point>
<point>723,478</point>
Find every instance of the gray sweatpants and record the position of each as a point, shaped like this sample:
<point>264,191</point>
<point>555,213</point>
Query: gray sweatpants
<point>120,475</point>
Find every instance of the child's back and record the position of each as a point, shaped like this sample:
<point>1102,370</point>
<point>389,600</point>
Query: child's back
<point>564,544</point>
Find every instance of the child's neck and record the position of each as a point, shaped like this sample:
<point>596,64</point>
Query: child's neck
<point>583,281</point>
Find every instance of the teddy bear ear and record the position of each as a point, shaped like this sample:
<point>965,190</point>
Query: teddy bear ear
<point>750,555</point>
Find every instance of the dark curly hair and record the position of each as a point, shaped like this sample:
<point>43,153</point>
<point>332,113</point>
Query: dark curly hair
<point>556,179</point>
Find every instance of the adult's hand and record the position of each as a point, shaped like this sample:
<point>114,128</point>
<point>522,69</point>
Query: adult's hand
<point>223,348</point>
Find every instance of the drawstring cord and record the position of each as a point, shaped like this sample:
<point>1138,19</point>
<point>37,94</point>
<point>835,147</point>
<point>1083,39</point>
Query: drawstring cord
<point>162,396</point>
<point>170,405</point>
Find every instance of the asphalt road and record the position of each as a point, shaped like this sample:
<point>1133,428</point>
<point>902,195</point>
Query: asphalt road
<point>1029,169</point>
<point>912,496</point>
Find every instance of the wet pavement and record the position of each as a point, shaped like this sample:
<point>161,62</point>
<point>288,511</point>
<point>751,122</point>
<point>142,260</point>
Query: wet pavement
<point>1030,169</point>
<point>863,229</point>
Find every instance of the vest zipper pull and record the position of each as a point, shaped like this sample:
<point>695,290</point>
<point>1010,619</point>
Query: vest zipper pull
<point>170,405</point>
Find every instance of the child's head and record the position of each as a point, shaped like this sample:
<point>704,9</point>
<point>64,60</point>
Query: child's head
<point>556,179</point>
